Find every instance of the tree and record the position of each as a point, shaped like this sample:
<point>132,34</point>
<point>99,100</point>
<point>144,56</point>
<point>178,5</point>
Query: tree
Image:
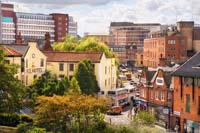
<point>11,89</point>
<point>48,85</point>
<point>68,44</point>
<point>54,113</point>
<point>86,77</point>
<point>93,44</point>
<point>74,88</point>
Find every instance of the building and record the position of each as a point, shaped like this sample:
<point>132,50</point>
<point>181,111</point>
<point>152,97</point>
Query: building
<point>128,33</point>
<point>7,23</point>
<point>156,95</point>
<point>33,25</point>
<point>65,63</point>
<point>139,57</point>
<point>73,27</point>
<point>186,101</point>
<point>171,47</point>
<point>31,61</point>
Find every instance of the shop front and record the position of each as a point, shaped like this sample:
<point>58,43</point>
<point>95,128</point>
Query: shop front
<point>162,114</point>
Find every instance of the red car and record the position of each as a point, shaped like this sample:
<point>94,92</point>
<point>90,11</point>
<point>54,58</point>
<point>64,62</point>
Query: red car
<point>115,110</point>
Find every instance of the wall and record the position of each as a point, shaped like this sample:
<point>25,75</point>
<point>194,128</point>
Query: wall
<point>32,64</point>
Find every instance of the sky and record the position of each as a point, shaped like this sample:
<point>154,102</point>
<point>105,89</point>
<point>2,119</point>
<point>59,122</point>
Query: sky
<point>94,16</point>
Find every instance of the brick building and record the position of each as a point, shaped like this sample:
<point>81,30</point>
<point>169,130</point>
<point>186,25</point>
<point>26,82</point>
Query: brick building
<point>33,26</point>
<point>187,95</point>
<point>172,47</point>
<point>155,95</point>
<point>102,37</point>
<point>129,35</point>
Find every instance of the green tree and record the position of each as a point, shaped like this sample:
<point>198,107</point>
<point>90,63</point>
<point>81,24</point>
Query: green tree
<point>86,77</point>
<point>74,88</point>
<point>11,89</point>
<point>69,44</point>
<point>48,85</point>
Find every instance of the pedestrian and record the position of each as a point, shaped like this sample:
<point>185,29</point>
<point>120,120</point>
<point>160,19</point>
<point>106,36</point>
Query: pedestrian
<point>176,128</point>
<point>185,127</point>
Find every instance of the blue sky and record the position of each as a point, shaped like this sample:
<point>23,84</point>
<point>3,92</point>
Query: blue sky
<point>94,16</point>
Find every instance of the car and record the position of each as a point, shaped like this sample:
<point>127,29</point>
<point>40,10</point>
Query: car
<point>114,110</point>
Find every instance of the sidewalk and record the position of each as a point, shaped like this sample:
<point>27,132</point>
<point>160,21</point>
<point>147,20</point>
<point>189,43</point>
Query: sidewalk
<point>166,130</point>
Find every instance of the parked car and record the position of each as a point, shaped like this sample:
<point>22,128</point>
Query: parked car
<point>115,110</point>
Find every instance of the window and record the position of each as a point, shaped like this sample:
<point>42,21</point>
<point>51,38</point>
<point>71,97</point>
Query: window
<point>7,61</point>
<point>187,81</point>
<point>197,82</point>
<point>33,55</point>
<point>105,82</point>
<point>35,76</point>
<point>61,67</point>
<point>187,107</point>
<point>171,42</point>
<point>42,63</point>
<point>151,94</point>
<point>61,76</point>
<point>162,96</point>
<point>199,105</point>
<point>71,67</point>
<point>105,70</point>
<point>156,95</point>
<point>183,42</point>
<point>26,63</point>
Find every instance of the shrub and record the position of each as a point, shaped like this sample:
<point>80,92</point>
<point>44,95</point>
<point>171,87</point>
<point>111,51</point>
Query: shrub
<point>23,128</point>
<point>26,118</point>
<point>9,119</point>
<point>144,118</point>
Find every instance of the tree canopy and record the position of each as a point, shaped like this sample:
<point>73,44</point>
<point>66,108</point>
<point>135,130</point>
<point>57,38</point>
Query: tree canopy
<point>48,85</point>
<point>11,89</point>
<point>71,43</point>
<point>86,77</point>
<point>74,88</point>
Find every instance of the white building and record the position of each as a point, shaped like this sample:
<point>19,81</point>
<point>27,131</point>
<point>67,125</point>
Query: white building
<point>34,26</point>
<point>72,26</point>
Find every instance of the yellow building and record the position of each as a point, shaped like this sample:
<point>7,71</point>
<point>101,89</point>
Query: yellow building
<point>31,61</point>
<point>64,64</point>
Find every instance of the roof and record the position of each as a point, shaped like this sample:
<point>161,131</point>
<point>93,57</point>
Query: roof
<point>11,52</point>
<point>21,49</point>
<point>191,68</point>
<point>53,56</point>
<point>150,74</point>
<point>167,77</point>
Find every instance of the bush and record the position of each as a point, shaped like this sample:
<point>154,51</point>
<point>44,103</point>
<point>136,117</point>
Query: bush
<point>9,119</point>
<point>144,118</point>
<point>26,118</point>
<point>23,128</point>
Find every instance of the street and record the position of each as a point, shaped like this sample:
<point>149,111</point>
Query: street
<point>123,119</point>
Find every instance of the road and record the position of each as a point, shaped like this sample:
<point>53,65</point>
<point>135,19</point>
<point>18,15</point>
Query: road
<point>123,119</point>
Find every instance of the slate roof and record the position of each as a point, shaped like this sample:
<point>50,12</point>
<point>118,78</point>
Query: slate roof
<point>150,74</point>
<point>191,68</point>
<point>10,52</point>
<point>72,56</point>
<point>22,49</point>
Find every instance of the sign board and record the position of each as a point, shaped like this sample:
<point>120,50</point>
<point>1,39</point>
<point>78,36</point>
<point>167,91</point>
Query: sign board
<point>159,81</point>
<point>143,80</point>
<point>177,113</point>
<point>165,111</point>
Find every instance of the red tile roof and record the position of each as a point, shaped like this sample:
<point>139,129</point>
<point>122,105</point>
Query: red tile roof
<point>11,52</point>
<point>53,56</point>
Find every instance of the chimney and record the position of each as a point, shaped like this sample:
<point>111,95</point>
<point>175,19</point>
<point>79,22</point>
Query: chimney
<point>47,46</point>
<point>162,62</point>
<point>19,39</point>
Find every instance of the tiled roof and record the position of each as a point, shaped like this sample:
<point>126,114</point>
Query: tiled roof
<point>11,52</point>
<point>167,77</point>
<point>190,68</point>
<point>72,56</point>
